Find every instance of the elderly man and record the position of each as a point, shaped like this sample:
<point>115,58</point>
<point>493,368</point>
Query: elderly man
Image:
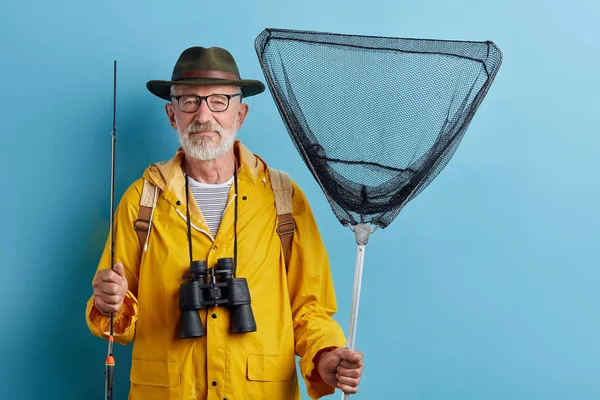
<point>215,201</point>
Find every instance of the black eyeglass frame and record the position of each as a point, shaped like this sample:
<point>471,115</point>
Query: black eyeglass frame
<point>205,98</point>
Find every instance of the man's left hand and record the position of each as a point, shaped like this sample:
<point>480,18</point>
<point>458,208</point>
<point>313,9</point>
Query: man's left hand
<point>341,368</point>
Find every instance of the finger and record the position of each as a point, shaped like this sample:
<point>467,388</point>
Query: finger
<point>344,380</point>
<point>106,308</point>
<point>110,276</point>
<point>108,288</point>
<point>349,373</point>
<point>350,355</point>
<point>110,299</point>
<point>348,364</point>
<point>119,269</point>
<point>356,356</point>
<point>350,389</point>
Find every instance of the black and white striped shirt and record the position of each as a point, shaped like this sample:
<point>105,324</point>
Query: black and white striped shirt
<point>212,200</point>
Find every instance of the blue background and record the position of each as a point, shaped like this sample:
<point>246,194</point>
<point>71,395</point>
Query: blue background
<point>484,287</point>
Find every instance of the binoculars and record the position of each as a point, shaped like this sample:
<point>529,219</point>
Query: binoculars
<point>214,287</point>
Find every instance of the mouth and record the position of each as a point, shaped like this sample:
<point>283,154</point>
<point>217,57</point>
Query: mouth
<point>205,133</point>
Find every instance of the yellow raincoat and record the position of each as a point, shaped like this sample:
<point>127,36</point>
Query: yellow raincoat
<point>293,311</point>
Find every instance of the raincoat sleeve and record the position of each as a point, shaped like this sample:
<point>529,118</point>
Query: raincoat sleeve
<point>312,296</point>
<point>128,252</point>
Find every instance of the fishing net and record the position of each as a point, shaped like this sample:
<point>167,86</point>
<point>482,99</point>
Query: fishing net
<point>375,119</point>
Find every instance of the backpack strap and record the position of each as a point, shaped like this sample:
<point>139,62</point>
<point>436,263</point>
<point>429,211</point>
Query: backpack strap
<point>143,224</point>
<point>282,189</point>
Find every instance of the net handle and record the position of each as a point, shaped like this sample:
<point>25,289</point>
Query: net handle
<point>362,232</point>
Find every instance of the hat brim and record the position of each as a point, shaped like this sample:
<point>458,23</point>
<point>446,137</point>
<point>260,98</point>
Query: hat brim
<point>162,89</point>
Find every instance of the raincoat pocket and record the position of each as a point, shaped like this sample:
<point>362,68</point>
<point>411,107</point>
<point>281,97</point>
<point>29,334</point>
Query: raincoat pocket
<point>155,379</point>
<point>271,376</point>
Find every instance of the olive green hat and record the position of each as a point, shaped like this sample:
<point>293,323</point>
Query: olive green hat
<point>201,66</point>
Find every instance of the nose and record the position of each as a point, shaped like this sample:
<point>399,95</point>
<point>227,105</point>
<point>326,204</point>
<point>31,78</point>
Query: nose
<point>203,113</point>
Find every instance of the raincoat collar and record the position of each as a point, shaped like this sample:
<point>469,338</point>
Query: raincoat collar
<point>168,175</point>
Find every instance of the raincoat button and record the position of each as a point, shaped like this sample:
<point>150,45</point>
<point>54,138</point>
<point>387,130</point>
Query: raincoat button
<point>214,383</point>
<point>214,248</point>
<point>244,198</point>
<point>178,202</point>
<point>214,315</point>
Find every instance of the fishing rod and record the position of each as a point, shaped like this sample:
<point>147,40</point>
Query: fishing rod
<point>110,360</point>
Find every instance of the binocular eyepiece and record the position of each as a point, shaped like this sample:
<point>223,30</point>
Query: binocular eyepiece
<point>220,289</point>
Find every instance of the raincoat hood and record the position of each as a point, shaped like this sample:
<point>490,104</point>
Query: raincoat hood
<point>168,175</point>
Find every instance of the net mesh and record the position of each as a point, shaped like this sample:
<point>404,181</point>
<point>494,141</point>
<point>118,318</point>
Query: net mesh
<point>374,118</point>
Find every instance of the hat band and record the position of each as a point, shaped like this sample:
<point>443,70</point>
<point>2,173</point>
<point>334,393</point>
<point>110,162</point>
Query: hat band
<point>205,74</point>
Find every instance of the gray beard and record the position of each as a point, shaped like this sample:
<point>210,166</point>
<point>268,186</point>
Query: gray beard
<point>206,148</point>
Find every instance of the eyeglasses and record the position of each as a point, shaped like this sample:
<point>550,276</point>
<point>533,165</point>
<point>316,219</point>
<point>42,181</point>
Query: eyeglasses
<point>190,103</point>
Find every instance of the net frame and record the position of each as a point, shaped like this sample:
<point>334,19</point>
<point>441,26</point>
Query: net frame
<point>339,197</point>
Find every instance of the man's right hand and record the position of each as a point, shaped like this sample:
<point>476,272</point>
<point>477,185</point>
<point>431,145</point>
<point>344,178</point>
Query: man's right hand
<point>110,288</point>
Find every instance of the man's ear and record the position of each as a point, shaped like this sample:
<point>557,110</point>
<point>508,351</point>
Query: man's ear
<point>241,115</point>
<point>171,115</point>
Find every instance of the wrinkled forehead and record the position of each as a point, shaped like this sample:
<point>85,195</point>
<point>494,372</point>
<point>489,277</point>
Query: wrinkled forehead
<point>178,90</point>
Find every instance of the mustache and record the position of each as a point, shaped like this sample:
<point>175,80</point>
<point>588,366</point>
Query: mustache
<point>196,127</point>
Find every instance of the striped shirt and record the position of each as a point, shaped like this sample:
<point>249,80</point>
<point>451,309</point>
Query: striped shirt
<point>211,200</point>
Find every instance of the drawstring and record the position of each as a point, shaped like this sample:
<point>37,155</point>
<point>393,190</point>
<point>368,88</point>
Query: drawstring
<point>235,218</point>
